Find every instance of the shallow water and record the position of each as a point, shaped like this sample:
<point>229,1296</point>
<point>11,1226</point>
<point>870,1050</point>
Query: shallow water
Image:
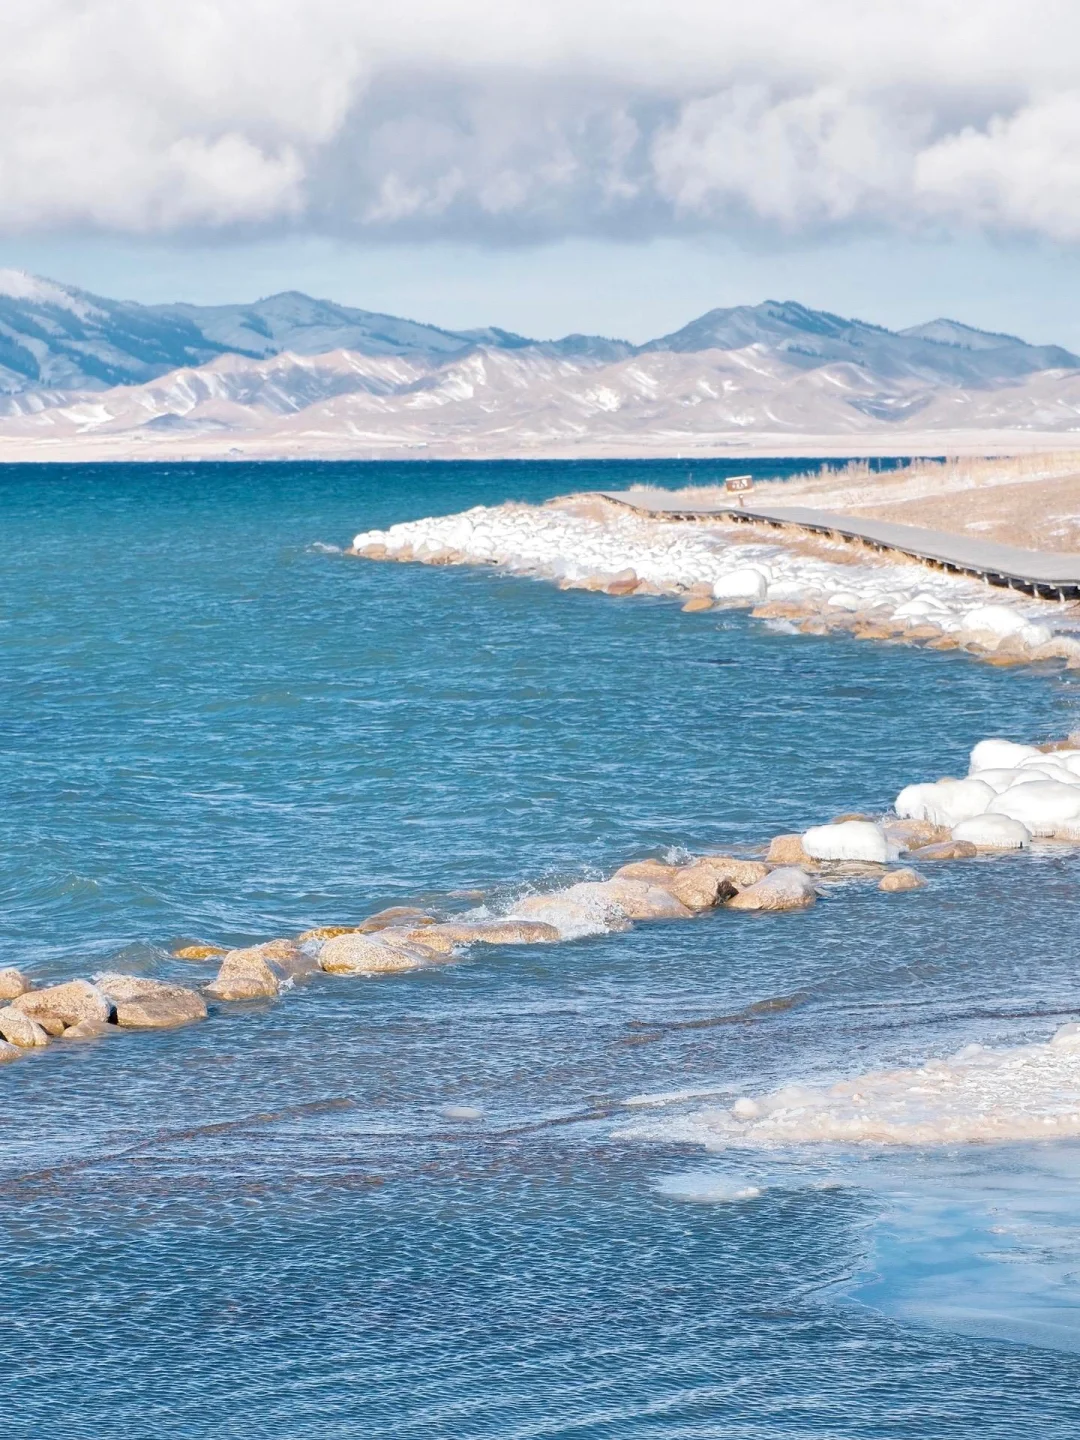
<point>270,1225</point>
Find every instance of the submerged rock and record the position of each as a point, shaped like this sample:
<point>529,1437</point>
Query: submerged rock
<point>12,983</point>
<point>19,1029</point>
<point>200,952</point>
<point>69,1003</point>
<point>358,954</point>
<point>143,1004</point>
<point>326,932</point>
<point>945,850</point>
<point>445,936</point>
<point>396,915</point>
<point>897,881</point>
<point>88,1030</point>
<point>244,975</point>
<point>786,888</point>
<point>9,1052</point>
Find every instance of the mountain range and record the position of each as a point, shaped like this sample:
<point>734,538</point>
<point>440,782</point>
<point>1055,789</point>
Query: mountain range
<point>80,373</point>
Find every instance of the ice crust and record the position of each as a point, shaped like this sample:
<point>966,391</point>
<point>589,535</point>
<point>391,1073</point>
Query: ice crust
<point>1026,1092</point>
<point>563,543</point>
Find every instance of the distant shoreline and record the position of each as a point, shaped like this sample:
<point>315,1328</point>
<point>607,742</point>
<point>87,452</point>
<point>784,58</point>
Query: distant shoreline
<point>192,449</point>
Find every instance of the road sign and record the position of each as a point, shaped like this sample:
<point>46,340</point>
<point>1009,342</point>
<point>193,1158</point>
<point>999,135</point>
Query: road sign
<point>738,484</point>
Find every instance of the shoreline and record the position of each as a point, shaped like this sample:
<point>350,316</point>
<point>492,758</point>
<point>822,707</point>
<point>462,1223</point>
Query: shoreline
<point>313,447</point>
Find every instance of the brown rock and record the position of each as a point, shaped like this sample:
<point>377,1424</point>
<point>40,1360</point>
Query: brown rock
<point>638,900</point>
<point>199,952</point>
<point>741,873</point>
<point>786,888</point>
<point>923,632</point>
<point>700,887</point>
<point>655,872</point>
<point>897,881</point>
<point>852,815</point>
<point>697,602</point>
<point>778,610</point>
<point>358,954</point>
<point>943,642</point>
<point>143,1004</point>
<point>945,850</point>
<point>873,632</point>
<point>244,975</point>
<point>625,583</point>
<point>12,983</point>
<point>372,552</point>
<point>20,1029</point>
<point>326,932</point>
<point>51,1024</point>
<point>69,1003</point>
<point>788,850</point>
<point>407,915</point>
<point>9,1052</point>
<point>910,834</point>
<point>88,1030</point>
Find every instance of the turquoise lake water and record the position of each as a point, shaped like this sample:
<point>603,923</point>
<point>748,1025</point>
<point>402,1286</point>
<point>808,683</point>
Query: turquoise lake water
<point>270,1226</point>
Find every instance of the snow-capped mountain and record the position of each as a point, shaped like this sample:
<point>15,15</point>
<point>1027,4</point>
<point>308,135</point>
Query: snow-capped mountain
<point>293,375</point>
<point>55,337</point>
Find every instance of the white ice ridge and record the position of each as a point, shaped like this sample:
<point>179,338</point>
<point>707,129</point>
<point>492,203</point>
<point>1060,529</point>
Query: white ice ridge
<point>977,1095</point>
<point>591,544</point>
<point>1011,793</point>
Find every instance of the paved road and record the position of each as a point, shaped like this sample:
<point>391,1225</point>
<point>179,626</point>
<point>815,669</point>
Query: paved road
<point>1038,572</point>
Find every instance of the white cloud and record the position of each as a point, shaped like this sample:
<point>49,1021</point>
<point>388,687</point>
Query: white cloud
<point>508,120</point>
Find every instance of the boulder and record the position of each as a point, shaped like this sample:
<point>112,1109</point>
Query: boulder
<point>741,873</point>
<point>993,832</point>
<point>12,983</point>
<point>999,755</point>
<point>638,900</point>
<point>787,850</point>
<point>244,975</point>
<point>700,887</point>
<point>946,803</point>
<point>19,1029</point>
<point>88,1030</point>
<point>444,937</point>
<point>625,583</point>
<point>945,850</point>
<point>746,584</point>
<point>69,1003</point>
<point>696,603</point>
<point>1043,806</point>
<point>408,915</point>
<point>786,888</point>
<point>200,952</point>
<point>909,834</point>
<point>847,840</point>
<point>325,932</point>
<point>655,872</point>
<point>143,1004</point>
<point>9,1052</point>
<point>897,881</point>
<point>358,954</point>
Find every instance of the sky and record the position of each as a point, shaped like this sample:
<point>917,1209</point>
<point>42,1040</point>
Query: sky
<point>611,166</point>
